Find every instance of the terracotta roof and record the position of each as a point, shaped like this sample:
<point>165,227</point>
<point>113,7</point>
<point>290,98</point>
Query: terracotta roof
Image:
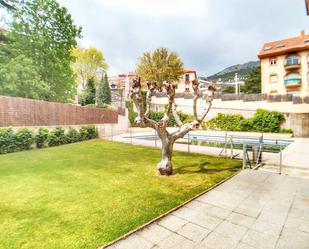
<point>189,71</point>
<point>290,45</point>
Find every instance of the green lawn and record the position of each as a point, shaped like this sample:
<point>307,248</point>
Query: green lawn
<point>86,194</point>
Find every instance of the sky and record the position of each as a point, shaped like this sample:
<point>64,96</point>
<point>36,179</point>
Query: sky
<point>209,35</point>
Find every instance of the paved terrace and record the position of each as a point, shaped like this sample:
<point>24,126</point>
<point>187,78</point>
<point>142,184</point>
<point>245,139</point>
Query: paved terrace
<point>254,209</point>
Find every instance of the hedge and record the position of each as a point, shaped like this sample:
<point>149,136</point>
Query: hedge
<point>25,139</point>
<point>262,121</point>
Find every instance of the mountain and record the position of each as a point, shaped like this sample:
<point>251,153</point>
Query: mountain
<point>229,73</point>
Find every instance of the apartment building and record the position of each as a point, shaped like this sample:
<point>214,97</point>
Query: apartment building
<point>284,66</point>
<point>185,84</point>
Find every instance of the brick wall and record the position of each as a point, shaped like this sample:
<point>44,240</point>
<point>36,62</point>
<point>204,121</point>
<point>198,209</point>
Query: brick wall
<point>27,112</point>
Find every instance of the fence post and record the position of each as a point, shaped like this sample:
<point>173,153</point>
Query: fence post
<point>232,147</point>
<point>112,127</point>
<point>280,168</point>
<point>130,135</point>
<point>225,150</point>
<point>188,142</point>
<point>244,159</point>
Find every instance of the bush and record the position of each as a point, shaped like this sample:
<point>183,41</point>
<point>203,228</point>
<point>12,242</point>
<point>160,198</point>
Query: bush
<point>7,141</point>
<point>41,138</point>
<point>24,139</point>
<point>262,121</point>
<point>73,136</point>
<point>88,132</point>
<point>57,137</point>
<point>132,114</point>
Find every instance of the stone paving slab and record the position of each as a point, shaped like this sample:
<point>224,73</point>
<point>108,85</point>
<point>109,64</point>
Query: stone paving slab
<point>252,210</point>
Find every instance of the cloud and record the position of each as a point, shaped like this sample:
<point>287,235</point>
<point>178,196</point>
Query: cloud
<point>209,35</point>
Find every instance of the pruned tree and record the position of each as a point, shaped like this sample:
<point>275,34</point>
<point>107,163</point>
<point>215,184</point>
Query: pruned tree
<point>167,138</point>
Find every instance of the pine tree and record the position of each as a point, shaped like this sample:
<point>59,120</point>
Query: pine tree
<point>253,82</point>
<point>89,93</point>
<point>104,96</point>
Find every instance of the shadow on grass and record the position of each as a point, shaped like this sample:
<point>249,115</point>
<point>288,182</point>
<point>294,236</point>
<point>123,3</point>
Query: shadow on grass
<point>205,167</point>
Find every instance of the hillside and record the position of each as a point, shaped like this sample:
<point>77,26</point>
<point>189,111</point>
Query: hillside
<point>229,73</point>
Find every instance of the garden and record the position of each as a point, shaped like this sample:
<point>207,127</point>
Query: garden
<point>85,194</point>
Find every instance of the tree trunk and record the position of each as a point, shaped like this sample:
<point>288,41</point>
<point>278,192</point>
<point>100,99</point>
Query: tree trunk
<point>165,166</point>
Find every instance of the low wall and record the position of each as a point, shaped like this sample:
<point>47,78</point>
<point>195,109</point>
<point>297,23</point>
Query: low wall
<point>27,112</point>
<point>104,130</point>
<point>298,122</point>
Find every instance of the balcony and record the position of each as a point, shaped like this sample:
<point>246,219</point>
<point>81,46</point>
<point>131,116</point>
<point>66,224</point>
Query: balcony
<point>292,82</point>
<point>292,62</point>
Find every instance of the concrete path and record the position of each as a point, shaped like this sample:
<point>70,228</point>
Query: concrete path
<point>252,210</point>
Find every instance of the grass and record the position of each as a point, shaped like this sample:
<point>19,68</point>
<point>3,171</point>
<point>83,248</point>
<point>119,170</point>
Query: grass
<point>86,194</point>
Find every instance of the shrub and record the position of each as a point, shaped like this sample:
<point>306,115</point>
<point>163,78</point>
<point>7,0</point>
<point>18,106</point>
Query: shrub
<point>24,139</point>
<point>262,121</point>
<point>267,121</point>
<point>73,136</point>
<point>132,114</point>
<point>7,141</point>
<point>88,132</point>
<point>57,137</point>
<point>41,138</point>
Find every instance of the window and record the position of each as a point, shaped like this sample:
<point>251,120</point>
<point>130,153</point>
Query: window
<point>273,62</point>
<point>292,60</point>
<point>187,77</point>
<point>280,46</point>
<point>273,78</point>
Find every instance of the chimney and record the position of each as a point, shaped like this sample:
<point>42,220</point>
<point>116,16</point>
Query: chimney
<point>302,33</point>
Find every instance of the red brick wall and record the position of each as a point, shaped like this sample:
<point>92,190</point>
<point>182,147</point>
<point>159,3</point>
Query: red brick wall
<point>27,112</point>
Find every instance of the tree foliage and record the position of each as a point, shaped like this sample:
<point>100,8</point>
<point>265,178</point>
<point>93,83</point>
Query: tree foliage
<point>104,96</point>
<point>19,77</point>
<point>89,94</point>
<point>253,82</point>
<point>160,66</point>
<point>44,32</point>
<point>8,4</point>
<point>88,64</point>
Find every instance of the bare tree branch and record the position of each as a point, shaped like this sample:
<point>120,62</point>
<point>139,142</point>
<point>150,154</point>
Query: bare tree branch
<point>176,116</point>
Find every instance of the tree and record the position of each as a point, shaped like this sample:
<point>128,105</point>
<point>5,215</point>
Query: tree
<point>229,89</point>
<point>159,66</point>
<point>167,138</point>
<point>88,64</point>
<point>89,94</point>
<point>8,4</point>
<point>44,31</point>
<point>104,96</point>
<point>253,82</point>
<point>19,77</point>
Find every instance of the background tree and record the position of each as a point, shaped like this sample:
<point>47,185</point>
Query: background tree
<point>104,95</point>
<point>88,64</point>
<point>253,82</point>
<point>167,138</point>
<point>44,32</point>
<point>19,77</point>
<point>159,66</point>
<point>8,4</point>
<point>88,97</point>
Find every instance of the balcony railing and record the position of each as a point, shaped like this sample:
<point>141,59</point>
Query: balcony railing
<point>292,82</point>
